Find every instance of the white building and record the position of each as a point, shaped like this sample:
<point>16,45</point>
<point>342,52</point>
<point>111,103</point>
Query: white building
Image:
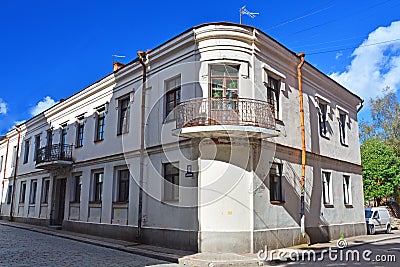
<point>220,172</point>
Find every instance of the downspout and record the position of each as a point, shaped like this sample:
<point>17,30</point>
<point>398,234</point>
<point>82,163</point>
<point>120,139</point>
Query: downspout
<point>4,174</point>
<point>303,144</point>
<point>15,174</point>
<point>361,105</point>
<point>143,61</point>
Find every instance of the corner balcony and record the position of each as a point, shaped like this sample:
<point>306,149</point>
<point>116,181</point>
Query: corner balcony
<point>225,117</point>
<point>54,156</point>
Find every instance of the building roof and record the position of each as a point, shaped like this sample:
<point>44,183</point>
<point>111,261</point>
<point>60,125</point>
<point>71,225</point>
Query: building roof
<point>182,33</point>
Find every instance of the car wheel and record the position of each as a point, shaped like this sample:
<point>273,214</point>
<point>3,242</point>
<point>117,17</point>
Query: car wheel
<point>371,229</point>
<point>388,229</point>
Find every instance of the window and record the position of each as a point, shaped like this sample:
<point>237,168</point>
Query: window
<point>173,95</point>
<point>100,123</point>
<point>63,136</point>
<point>14,158</point>
<point>273,95</point>
<point>26,152</point>
<point>77,187</point>
<point>1,163</point>
<point>123,186</point>
<point>97,186</point>
<point>275,183</point>
<point>327,188</point>
<point>49,137</point>
<point>224,84</point>
<point>37,146</point>
<point>123,117</point>
<point>45,191</point>
<point>342,128</point>
<point>323,119</point>
<point>32,195</point>
<point>346,190</point>
<point>9,194</point>
<point>22,192</point>
<point>171,182</point>
<point>79,132</point>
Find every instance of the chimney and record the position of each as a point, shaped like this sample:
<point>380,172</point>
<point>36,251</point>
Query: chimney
<point>117,65</point>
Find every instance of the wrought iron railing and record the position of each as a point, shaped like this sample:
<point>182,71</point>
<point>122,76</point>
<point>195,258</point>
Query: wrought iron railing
<point>53,153</point>
<point>225,111</point>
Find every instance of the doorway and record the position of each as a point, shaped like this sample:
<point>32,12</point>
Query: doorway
<point>59,201</point>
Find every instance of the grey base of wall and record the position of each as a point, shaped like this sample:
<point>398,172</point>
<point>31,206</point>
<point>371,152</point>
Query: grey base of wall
<point>177,239</point>
<point>34,221</point>
<point>327,233</point>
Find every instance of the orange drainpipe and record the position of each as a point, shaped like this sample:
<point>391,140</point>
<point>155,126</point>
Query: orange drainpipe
<point>303,142</point>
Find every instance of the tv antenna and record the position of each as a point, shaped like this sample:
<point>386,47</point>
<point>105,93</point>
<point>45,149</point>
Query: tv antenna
<point>116,56</point>
<point>244,11</point>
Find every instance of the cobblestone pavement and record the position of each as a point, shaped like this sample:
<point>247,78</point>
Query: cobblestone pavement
<point>20,247</point>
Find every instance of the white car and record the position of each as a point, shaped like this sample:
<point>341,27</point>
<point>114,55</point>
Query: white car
<point>377,219</point>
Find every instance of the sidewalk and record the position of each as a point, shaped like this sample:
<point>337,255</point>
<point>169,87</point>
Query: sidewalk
<point>187,258</point>
<point>166,254</point>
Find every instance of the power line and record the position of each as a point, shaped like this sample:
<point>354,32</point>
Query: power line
<point>353,47</point>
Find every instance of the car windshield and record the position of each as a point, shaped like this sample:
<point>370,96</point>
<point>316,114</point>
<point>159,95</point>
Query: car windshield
<point>368,213</point>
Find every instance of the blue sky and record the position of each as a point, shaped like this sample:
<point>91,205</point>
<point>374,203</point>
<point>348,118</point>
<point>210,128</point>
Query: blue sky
<point>52,49</point>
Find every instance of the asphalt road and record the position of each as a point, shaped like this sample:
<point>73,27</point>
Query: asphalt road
<point>20,247</point>
<point>383,253</point>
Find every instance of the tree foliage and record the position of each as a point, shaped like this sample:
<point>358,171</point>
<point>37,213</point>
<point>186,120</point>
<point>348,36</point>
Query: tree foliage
<point>385,124</point>
<point>381,172</point>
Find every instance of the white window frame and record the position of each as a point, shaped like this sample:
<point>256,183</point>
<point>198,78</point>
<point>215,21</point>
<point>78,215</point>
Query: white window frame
<point>268,71</point>
<point>347,190</point>
<point>327,192</point>
<point>93,186</point>
<point>33,192</point>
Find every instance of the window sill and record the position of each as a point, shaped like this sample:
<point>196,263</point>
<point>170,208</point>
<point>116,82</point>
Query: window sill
<point>348,205</point>
<point>345,145</point>
<point>95,204</point>
<point>120,204</point>
<point>328,205</point>
<point>32,205</point>
<point>173,201</point>
<point>280,122</point>
<point>98,141</point>
<point>21,204</point>
<point>120,134</point>
<point>76,147</point>
<point>277,202</point>
<point>74,202</point>
<point>44,204</point>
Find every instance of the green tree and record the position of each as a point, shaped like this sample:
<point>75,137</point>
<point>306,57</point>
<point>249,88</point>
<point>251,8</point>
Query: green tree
<point>385,124</point>
<point>381,172</point>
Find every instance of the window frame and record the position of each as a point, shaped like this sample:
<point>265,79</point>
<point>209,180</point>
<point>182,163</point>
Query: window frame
<point>26,150</point>
<point>343,133</point>
<point>327,190</point>
<point>174,91</point>
<point>45,191</point>
<point>33,192</point>
<point>347,195</point>
<point>80,132</point>
<point>76,188</point>
<point>36,146</point>
<point>273,95</point>
<point>100,127</point>
<point>276,187</point>
<point>22,192</point>
<point>174,192</point>
<point>122,109</point>
<point>323,119</point>
<point>97,187</point>
<point>119,197</point>
<point>9,193</point>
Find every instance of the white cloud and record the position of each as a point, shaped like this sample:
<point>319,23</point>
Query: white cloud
<point>46,103</point>
<point>3,107</point>
<point>338,55</point>
<point>374,67</point>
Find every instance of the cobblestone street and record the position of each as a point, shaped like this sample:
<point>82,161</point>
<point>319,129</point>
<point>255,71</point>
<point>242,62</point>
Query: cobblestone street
<point>20,247</point>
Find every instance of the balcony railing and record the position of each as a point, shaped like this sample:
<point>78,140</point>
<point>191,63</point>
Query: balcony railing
<point>225,111</point>
<point>58,152</point>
